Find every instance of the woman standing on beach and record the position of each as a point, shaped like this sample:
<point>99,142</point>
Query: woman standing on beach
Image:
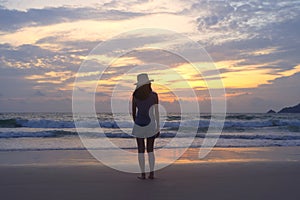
<point>146,122</point>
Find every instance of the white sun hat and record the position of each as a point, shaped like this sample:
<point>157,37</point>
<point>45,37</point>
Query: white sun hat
<point>143,79</point>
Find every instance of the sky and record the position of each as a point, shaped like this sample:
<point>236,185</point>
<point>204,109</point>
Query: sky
<point>253,44</point>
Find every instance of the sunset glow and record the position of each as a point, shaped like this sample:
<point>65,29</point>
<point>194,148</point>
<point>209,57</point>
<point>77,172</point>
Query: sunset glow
<point>44,44</point>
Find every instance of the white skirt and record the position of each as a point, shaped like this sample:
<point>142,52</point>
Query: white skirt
<point>144,131</point>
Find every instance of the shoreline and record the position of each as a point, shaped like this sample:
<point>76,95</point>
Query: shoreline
<point>217,155</point>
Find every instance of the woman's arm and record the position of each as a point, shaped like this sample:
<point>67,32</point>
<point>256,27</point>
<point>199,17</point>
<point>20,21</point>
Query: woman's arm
<point>133,109</point>
<point>156,112</point>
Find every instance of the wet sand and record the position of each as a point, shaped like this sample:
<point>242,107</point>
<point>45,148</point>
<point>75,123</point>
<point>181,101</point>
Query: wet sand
<point>237,173</point>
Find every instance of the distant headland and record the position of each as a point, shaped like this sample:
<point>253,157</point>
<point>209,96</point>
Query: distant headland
<point>271,111</point>
<point>293,109</point>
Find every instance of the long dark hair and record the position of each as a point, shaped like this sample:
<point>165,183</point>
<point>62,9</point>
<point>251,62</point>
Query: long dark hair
<point>142,92</point>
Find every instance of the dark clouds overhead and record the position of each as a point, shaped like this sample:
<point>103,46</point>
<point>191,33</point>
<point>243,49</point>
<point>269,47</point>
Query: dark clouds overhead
<point>283,38</point>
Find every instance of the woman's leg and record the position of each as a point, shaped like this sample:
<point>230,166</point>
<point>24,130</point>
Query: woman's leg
<point>151,157</point>
<point>141,156</point>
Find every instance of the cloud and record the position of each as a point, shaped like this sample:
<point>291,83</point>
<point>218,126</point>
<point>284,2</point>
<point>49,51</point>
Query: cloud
<point>25,57</point>
<point>13,84</point>
<point>238,20</point>
<point>158,56</point>
<point>52,77</point>
<point>278,51</point>
<point>29,69</point>
<point>218,11</point>
<point>16,19</point>
<point>41,60</point>
<point>79,47</point>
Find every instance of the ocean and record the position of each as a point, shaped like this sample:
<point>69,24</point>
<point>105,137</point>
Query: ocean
<point>56,131</point>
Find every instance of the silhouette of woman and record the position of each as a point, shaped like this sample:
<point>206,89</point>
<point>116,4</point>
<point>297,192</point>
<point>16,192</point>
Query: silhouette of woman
<point>146,122</point>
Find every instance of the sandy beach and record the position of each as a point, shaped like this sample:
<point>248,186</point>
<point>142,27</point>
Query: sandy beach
<point>232,173</point>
